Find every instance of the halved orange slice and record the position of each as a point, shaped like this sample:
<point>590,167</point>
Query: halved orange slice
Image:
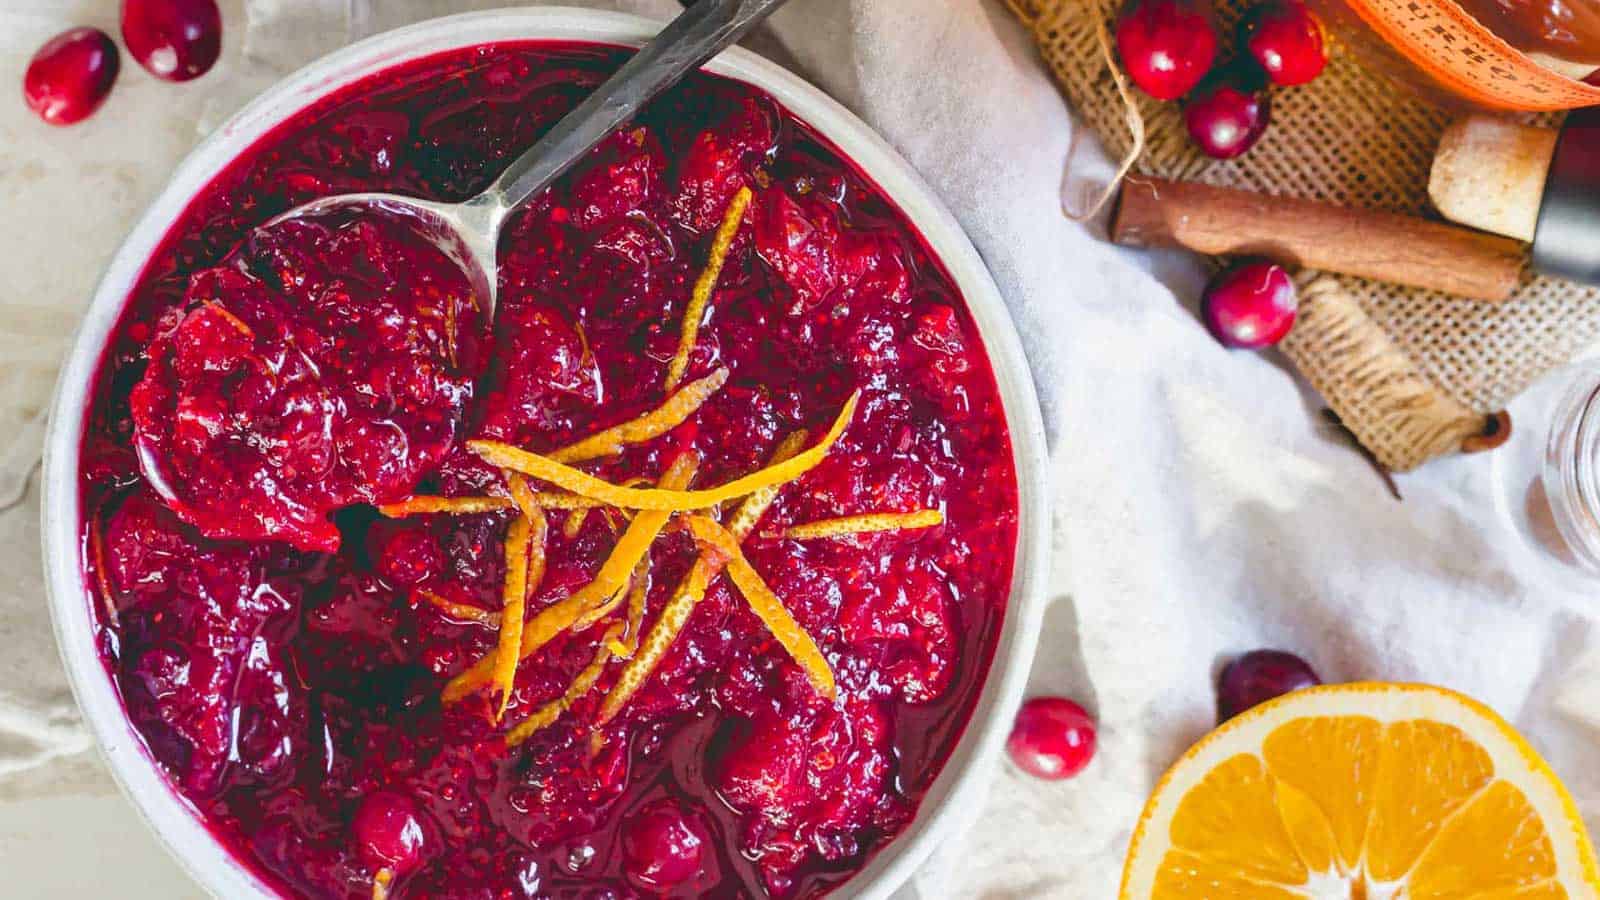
<point>1362,792</point>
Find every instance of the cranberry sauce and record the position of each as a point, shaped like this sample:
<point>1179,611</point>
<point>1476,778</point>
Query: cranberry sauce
<point>283,649</point>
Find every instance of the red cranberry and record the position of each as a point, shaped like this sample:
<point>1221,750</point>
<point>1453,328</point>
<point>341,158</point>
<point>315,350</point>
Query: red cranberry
<point>1166,46</point>
<point>662,846</point>
<point>1259,676</point>
<point>71,75</point>
<point>173,39</point>
<point>1053,738</point>
<point>388,831</point>
<point>1228,113</point>
<point>1250,305</point>
<point>410,556</point>
<point>1286,40</point>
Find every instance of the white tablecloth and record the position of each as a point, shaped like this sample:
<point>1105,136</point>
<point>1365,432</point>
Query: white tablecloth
<point>1202,507</point>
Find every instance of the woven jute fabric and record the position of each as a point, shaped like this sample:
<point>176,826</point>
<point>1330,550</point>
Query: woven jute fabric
<point>1412,373</point>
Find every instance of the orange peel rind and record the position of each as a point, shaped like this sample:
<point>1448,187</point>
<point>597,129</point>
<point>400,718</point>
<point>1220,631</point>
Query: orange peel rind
<point>662,499</point>
<point>452,506</point>
<point>756,504</point>
<point>230,318</point>
<point>646,652</point>
<point>512,610</point>
<point>547,715</point>
<point>640,576</point>
<point>613,575</point>
<point>381,880</point>
<point>669,415</point>
<point>695,310</point>
<point>653,648</point>
<point>463,506</point>
<point>466,612</point>
<point>865,524</point>
<point>97,557</point>
<point>766,605</point>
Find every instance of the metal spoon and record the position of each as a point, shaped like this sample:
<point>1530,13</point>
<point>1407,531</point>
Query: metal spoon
<point>470,230</point>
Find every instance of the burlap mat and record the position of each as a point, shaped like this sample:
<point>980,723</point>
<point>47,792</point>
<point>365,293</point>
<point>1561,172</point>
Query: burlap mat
<point>1412,373</point>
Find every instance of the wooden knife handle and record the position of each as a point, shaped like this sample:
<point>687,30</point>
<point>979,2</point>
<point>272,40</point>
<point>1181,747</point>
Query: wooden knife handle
<point>1383,246</point>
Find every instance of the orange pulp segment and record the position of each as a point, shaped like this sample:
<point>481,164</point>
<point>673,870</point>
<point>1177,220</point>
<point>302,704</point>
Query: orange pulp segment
<point>1362,790</point>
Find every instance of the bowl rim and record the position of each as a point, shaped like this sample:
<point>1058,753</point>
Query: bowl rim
<point>961,783</point>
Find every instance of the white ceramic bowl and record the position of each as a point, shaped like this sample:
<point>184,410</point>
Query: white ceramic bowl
<point>961,782</point>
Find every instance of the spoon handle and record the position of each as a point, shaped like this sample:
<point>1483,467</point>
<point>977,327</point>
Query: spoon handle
<point>696,35</point>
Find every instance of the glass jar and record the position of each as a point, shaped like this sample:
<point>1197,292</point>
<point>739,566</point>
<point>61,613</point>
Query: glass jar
<point>1524,55</point>
<point>1571,471</point>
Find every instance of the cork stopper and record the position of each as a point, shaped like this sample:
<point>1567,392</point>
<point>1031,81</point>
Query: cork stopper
<point>1489,173</point>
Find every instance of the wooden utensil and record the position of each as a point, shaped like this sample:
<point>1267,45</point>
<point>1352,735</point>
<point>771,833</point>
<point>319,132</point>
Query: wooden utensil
<point>1154,212</point>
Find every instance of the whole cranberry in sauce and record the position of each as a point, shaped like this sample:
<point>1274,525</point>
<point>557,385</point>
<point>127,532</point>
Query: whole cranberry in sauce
<point>1166,46</point>
<point>662,845</point>
<point>1287,41</point>
<point>389,831</point>
<point>1251,305</point>
<point>1259,676</point>
<point>175,40</point>
<point>1053,738</point>
<point>71,75</point>
<point>1228,113</point>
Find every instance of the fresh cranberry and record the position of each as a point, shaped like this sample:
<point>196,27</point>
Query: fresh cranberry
<point>1250,305</point>
<point>1228,113</point>
<point>1166,46</point>
<point>175,40</point>
<point>71,75</point>
<point>1259,676</point>
<point>1053,738</point>
<point>1286,40</point>
<point>410,556</point>
<point>389,832</point>
<point>662,845</point>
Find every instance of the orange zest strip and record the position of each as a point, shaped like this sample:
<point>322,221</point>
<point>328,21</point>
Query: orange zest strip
<point>381,882</point>
<point>644,657</point>
<point>516,600</point>
<point>97,558</point>
<point>844,525</point>
<point>663,499</point>
<point>574,523</point>
<point>613,575</point>
<point>669,415</point>
<point>690,591</point>
<point>581,685</point>
<point>462,506</point>
<point>623,649</point>
<point>450,330</point>
<point>230,318</point>
<point>766,605</point>
<point>538,527</point>
<point>755,506</point>
<point>463,611</point>
<point>454,506</point>
<point>705,284</point>
<point>641,575</point>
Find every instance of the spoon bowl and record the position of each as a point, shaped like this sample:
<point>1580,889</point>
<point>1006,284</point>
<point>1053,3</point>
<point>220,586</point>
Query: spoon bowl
<point>470,231</point>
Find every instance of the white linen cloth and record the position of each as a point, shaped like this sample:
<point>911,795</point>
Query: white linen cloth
<point>1202,508</point>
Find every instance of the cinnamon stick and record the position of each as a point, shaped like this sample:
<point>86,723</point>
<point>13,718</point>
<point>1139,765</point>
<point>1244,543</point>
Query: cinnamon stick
<point>1384,246</point>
